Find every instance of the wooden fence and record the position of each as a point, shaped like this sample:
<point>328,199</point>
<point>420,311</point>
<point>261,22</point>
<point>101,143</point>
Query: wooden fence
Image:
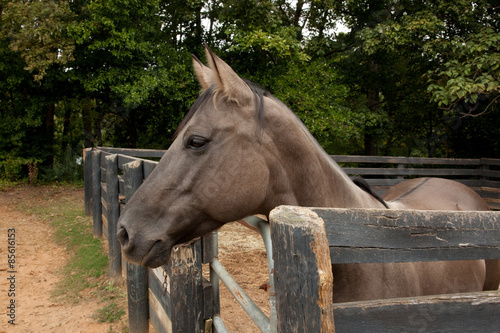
<point>382,172</point>
<point>180,302</point>
<point>315,238</point>
<point>186,301</point>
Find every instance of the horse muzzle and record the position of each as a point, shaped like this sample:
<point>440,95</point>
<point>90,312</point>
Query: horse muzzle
<point>144,251</point>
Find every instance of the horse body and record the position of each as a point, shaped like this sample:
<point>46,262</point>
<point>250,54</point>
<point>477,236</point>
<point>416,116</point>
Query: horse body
<point>241,152</point>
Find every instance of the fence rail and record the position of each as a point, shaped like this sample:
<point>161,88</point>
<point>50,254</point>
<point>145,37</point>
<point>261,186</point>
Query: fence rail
<point>450,236</point>
<point>186,301</point>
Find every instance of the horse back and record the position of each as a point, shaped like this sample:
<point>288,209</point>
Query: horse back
<point>434,194</point>
<point>442,194</point>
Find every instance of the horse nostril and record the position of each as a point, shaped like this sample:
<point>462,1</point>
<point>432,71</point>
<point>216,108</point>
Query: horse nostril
<point>122,236</point>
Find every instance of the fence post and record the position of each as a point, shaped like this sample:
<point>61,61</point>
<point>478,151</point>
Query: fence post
<point>302,271</point>
<point>137,276</point>
<point>96,193</point>
<point>113,213</point>
<point>87,179</point>
<point>186,288</point>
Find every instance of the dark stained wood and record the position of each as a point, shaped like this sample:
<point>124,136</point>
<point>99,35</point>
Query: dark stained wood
<point>186,288</point>
<point>137,295</point>
<point>87,180</point>
<point>405,160</point>
<point>414,172</point>
<point>113,213</point>
<point>302,271</point>
<point>378,235</point>
<point>468,312</point>
<point>96,193</point>
<point>137,282</point>
<point>468,232</point>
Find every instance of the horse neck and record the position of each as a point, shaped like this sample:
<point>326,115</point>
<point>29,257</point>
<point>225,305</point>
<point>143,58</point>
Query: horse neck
<point>303,174</point>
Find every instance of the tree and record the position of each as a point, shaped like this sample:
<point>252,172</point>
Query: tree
<point>391,48</point>
<point>468,82</point>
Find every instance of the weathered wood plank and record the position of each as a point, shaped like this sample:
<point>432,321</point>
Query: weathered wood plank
<point>378,235</point>
<point>414,172</point>
<point>113,213</point>
<point>405,160</point>
<point>149,167</point>
<point>96,193</point>
<point>104,226</point>
<point>160,320</point>
<point>138,299</point>
<point>468,312</point>
<point>156,280</point>
<point>491,173</point>
<point>490,161</point>
<point>87,180</point>
<point>151,153</point>
<point>388,182</point>
<point>303,277</point>
<point>186,288</point>
<point>137,282</point>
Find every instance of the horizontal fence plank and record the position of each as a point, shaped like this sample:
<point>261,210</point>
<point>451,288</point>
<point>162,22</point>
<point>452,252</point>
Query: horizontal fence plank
<point>491,183</point>
<point>158,316</point>
<point>376,235</point>
<point>491,173</point>
<point>151,153</point>
<point>490,161</point>
<point>404,160</point>
<point>489,193</point>
<point>155,282</point>
<point>414,172</point>
<point>468,312</point>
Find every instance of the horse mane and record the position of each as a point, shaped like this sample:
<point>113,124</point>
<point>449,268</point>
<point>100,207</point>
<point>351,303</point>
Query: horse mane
<point>363,184</point>
<point>210,93</point>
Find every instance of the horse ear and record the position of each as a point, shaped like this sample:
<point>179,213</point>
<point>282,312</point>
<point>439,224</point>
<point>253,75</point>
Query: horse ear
<point>203,73</point>
<point>228,83</point>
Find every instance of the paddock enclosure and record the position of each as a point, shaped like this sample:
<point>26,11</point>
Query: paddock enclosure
<point>303,243</point>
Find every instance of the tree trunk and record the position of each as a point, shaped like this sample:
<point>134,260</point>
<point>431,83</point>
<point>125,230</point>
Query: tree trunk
<point>49,133</point>
<point>66,127</point>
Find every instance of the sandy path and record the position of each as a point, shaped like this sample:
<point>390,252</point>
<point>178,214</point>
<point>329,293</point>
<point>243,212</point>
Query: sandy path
<point>38,263</point>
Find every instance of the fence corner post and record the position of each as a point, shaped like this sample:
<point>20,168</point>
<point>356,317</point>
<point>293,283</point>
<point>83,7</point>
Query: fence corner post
<point>96,193</point>
<point>137,276</point>
<point>302,271</point>
<point>87,179</point>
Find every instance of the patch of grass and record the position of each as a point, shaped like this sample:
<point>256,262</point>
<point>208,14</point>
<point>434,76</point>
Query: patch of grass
<point>87,266</point>
<point>72,229</point>
<point>88,262</point>
<point>110,313</point>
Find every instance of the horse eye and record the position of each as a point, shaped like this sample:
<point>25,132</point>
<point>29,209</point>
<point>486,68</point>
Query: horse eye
<point>197,142</point>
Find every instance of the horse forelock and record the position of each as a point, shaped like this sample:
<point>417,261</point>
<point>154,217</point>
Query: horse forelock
<point>214,94</point>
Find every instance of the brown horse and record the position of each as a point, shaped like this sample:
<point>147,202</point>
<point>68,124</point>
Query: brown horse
<point>241,152</point>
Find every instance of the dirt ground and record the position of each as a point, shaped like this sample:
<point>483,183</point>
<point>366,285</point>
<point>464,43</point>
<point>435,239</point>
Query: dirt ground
<point>39,261</point>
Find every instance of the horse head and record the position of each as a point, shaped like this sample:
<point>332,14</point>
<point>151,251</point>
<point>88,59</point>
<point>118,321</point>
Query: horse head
<point>213,173</point>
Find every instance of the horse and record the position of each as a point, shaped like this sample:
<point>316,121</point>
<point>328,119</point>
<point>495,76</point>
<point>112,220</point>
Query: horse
<point>240,151</point>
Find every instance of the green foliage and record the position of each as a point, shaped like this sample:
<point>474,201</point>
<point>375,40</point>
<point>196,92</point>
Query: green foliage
<point>12,167</point>
<point>38,31</point>
<point>119,73</point>
<point>472,72</point>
